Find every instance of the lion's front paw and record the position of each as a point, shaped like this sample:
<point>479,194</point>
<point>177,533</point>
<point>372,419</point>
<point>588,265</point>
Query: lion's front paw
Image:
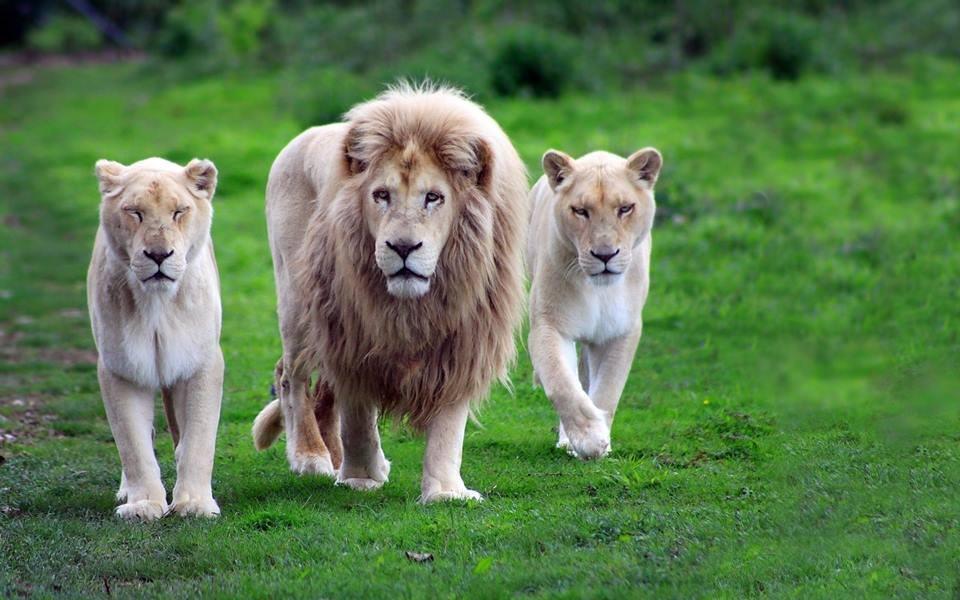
<point>371,477</point>
<point>142,510</point>
<point>196,507</point>
<point>445,495</point>
<point>312,464</point>
<point>588,438</point>
<point>434,490</point>
<point>361,483</point>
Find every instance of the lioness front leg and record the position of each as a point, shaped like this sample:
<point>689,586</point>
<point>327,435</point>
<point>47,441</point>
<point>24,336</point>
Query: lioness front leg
<point>364,466</point>
<point>582,424</point>
<point>609,368</point>
<point>130,413</point>
<point>306,451</point>
<point>444,452</point>
<point>196,405</point>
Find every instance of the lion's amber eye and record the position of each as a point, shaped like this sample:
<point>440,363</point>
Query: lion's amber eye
<point>135,213</point>
<point>625,210</point>
<point>432,197</point>
<point>580,212</point>
<point>178,213</point>
<point>381,196</point>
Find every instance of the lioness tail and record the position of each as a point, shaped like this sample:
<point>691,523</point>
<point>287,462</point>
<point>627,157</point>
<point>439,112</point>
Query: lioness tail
<point>268,426</point>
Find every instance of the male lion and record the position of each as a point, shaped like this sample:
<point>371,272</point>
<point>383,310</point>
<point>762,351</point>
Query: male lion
<point>154,298</point>
<point>397,250</point>
<point>589,263</point>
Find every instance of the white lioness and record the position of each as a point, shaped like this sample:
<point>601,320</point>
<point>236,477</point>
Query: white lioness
<point>154,297</point>
<point>588,258</point>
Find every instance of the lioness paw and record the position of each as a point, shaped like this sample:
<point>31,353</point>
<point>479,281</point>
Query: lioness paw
<point>143,510</point>
<point>312,464</point>
<point>589,439</point>
<point>196,507</point>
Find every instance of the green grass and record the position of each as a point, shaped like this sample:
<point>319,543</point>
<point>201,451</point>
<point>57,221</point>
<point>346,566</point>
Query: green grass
<point>790,427</point>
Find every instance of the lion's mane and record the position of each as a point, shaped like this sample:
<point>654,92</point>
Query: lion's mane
<point>417,356</point>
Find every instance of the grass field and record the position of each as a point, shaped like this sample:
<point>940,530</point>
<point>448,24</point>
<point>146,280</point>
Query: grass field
<point>791,426</point>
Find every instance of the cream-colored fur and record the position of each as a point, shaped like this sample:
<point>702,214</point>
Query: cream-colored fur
<point>588,257</point>
<point>154,298</point>
<point>397,250</point>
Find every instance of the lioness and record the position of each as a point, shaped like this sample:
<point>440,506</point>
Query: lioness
<point>589,262</point>
<point>154,297</point>
<point>397,250</point>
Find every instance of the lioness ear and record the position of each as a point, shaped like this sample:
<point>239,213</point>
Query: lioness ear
<point>644,165</point>
<point>108,174</point>
<point>202,177</point>
<point>557,166</point>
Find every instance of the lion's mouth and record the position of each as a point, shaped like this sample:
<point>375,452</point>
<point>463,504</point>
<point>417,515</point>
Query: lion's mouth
<point>158,276</point>
<point>406,273</point>
<point>607,273</point>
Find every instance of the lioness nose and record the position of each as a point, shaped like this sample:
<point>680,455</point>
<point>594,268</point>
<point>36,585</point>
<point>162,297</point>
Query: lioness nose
<point>605,255</point>
<point>158,257</point>
<point>403,248</point>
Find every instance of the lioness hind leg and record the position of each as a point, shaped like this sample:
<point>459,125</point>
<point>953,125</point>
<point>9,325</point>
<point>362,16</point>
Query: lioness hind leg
<point>364,465</point>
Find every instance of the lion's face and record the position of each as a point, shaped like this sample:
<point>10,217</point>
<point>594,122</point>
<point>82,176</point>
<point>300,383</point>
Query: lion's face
<point>156,215</point>
<point>605,210</point>
<point>409,210</point>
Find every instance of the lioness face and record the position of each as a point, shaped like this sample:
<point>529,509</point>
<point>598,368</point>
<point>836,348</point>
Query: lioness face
<point>604,208</point>
<point>409,209</point>
<point>156,215</point>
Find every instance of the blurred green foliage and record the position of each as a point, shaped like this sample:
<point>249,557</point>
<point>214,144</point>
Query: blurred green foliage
<point>64,33</point>
<point>494,47</point>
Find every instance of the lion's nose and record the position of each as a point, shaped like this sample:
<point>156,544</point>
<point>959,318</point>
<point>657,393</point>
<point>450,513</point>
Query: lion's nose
<point>605,255</point>
<point>403,248</point>
<point>158,257</point>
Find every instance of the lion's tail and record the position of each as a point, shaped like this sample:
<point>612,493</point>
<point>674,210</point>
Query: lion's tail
<point>268,426</point>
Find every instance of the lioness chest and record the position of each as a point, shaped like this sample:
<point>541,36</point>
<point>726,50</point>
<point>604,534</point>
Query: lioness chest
<point>598,314</point>
<point>160,347</point>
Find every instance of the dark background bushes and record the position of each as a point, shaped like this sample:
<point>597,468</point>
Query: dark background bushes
<point>491,47</point>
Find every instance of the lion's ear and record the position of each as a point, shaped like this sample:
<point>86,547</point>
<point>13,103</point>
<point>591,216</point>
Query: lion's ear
<point>353,151</point>
<point>467,156</point>
<point>480,168</point>
<point>557,166</point>
<point>201,177</point>
<point>644,166</point>
<point>109,175</point>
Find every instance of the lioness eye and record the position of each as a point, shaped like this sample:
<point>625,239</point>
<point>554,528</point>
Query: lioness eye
<point>178,213</point>
<point>433,197</point>
<point>137,214</point>
<point>626,210</point>
<point>580,212</point>
<point>381,196</point>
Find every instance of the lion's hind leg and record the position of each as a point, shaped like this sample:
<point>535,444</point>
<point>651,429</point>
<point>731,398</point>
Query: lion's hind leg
<point>306,451</point>
<point>328,419</point>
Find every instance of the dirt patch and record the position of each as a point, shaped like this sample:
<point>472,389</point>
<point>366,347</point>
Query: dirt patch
<point>24,420</point>
<point>20,68</point>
